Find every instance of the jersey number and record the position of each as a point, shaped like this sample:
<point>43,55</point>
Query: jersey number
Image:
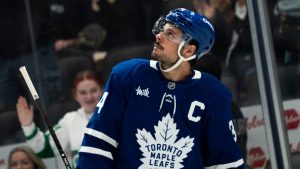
<point>102,100</point>
<point>231,128</point>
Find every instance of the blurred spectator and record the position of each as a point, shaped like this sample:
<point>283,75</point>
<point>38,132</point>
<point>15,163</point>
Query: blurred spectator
<point>233,43</point>
<point>82,54</point>
<point>31,30</point>
<point>286,15</point>
<point>127,24</point>
<point>24,157</point>
<point>221,14</point>
<point>88,41</point>
<point>70,129</point>
<point>93,15</point>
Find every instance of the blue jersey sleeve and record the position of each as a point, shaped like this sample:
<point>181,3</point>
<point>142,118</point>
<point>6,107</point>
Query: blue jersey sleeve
<point>101,134</point>
<point>219,146</point>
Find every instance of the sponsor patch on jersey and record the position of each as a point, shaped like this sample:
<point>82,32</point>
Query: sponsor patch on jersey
<point>164,150</point>
<point>142,92</point>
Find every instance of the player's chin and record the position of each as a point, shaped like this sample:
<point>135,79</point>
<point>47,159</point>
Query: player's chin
<point>154,55</point>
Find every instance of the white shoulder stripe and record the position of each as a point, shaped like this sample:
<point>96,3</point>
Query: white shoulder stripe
<point>92,150</point>
<point>197,74</point>
<point>153,64</point>
<point>228,165</point>
<point>101,136</point>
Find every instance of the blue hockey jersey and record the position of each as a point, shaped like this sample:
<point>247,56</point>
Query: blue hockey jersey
<point>144,121</point>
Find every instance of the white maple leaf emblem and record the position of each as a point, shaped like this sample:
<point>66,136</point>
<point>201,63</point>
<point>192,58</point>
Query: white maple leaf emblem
<point>163,151</point>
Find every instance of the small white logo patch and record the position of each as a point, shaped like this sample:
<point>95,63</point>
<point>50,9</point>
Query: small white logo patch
<point>142,92</point>
<point>171,85</point>
<point>163,151</point>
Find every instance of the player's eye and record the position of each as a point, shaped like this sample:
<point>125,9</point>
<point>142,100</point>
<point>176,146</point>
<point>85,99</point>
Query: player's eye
<point>170,34</point>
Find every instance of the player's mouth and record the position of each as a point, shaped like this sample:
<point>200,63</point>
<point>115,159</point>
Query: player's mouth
<point>156,45</point>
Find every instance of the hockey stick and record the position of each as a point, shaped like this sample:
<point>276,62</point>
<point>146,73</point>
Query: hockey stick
<point>44,115</point>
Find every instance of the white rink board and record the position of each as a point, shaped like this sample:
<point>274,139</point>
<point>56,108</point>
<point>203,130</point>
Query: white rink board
<point>257,145</point>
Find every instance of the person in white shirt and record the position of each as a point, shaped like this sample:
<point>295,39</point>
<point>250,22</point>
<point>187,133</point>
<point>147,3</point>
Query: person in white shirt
<point>70,129</point>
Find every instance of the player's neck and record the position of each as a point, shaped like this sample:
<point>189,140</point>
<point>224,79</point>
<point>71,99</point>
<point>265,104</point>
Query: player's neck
<point>181,73</point>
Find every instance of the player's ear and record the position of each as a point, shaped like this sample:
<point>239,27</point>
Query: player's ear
<point>189,50</point>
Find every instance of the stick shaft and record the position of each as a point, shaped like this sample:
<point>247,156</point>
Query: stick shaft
<point>44,115</point>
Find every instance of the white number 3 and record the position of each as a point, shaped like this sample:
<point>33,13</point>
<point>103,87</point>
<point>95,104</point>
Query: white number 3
<point>231,128</point>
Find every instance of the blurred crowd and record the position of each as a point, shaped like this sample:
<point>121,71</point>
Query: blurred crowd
<point>50,38</point>
<point>47,36</point>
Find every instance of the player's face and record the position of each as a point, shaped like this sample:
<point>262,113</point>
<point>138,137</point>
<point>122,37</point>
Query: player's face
<point>166,45</point>
<point>21,160</point>
<point>87,94</point>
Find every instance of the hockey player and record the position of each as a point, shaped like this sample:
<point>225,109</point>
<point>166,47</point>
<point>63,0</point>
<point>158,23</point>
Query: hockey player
<point>162,114</point>
<point>70,129</point>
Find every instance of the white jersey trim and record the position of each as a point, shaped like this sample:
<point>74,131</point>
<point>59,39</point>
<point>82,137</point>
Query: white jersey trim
<point>228,165</point>
<point>101,136</point>
<point>197,75</point>
<point>92,150</point>
<point>153,64</point>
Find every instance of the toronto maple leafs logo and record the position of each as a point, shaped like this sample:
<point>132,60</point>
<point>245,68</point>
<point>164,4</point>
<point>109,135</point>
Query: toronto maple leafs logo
<point>163,151</point>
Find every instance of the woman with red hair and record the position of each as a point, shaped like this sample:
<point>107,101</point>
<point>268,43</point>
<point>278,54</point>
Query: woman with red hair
<point>70,129</point>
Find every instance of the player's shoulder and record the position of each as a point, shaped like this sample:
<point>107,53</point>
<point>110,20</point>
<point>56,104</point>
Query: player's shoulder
<point>131,63</point>
<point>213,85</point>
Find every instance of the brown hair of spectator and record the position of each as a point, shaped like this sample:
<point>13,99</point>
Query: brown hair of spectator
<point>38,163</point>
